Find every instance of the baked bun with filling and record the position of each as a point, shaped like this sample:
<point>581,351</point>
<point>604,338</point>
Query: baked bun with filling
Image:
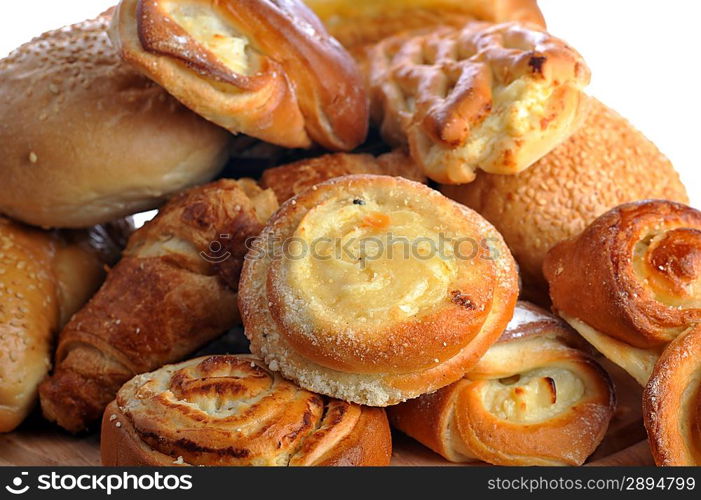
<point>85,139</point>
<point>264,68</point>
<point>231,410</point>
<point>375,289</point>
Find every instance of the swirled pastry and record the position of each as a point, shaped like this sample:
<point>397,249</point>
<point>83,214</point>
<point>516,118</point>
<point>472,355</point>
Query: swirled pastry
<point>672,402</point>
<point>232,410</point>
<point>535,398</point>
<point>264,68</point>
<point>631,282</point>
<point>484,96</point>
<point>293,178</point>
<point>375,289</point>
<point>358,23</point>
<point>173,291</point>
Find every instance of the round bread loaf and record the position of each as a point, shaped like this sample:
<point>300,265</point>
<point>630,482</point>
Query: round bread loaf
<point>85,139</point>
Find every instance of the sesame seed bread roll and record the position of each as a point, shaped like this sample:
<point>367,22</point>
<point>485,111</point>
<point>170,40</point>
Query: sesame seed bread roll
<point>605,163</point>
<point>535,398</point>
<point>375,289</point>
<point>630,283</point>
<point>233,411</point>
<point>85,139</point>
<point>44,278</point>
<point>173,291</point>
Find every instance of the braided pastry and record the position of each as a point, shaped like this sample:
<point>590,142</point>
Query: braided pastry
<point>672,402</point>
<point>535,398</point>
<point>375,289</point>
<point>265,68</point>
<point>231,410</point>
<point>494,97</point>
<point>631,282</point>
<point>167,297</point>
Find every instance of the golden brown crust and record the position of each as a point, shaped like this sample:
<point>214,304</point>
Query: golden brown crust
<point>291,179</point>
<point>290,83</point>
<point>375,329</point>
<point>359,23</point>
<point>605,163</point>
<point>167,296</point>
<point>44,278</point>
<point>533,399</point>
<point>231,410</point>
<point>640,265</point>
<point>77,141</point>
<point>494,97</point>
<point>672,403</point>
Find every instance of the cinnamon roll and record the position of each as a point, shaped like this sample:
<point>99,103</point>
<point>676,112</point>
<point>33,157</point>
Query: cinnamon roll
<point>535,398</point>
<point>630,283</point>
<point>375,289</point>
<point>264,68</point>
<point>232,410</point>
<point>672,402</point>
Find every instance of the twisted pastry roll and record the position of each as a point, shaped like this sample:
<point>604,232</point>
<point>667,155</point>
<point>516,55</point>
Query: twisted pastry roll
<point>493,97</point>
<point>630,283</point>
<point>168,296</point>
<point>535,398</point>
<point>291,179</point>
<point>265,68</point>
<point>359,23</point>
<point>672,402</point>
<point>232,410</point>
<point>375,289</point>
<point>44,278</point>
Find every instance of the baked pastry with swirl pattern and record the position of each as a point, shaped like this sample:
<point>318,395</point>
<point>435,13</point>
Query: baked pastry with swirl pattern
<point>535,398</point>
<point>232,410</point>
<point>630,283</point>
<point>375,289</point>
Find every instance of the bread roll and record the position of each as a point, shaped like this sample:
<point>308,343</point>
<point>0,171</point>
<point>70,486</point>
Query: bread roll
<point>605,163</point>
<point>263,68</point>
<point>44,278</point>
<point>535,398</point>
<point>375,289</point>
<point>232,410</point>
<point>173,291</point>
<point>359,23</point>
<point>85,139</point>
<point>482,96</point>
<point>630,283</point>
<point>291,179</point>
<point>672,402</point>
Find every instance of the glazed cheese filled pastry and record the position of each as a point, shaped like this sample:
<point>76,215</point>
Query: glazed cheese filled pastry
<point>493,97</point>
<point>535,398</point>
<point>232,410</point>
<point>672,403</point>
<point>265,68</point>
<point>631,282</point>
<point>375,289</point>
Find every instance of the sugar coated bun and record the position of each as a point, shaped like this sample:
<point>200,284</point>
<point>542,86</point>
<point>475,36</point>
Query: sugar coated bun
<point>604,164</point>
<point>85,139</point>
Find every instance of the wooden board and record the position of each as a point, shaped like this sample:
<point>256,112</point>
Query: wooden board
<point>38,443</point>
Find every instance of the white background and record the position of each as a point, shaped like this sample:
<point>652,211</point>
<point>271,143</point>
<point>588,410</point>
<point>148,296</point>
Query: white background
<point>644,56</point>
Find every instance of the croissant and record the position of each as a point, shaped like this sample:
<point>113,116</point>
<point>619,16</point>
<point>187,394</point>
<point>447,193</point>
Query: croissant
<point>630,283</point>
<point>232,410</point>
<point>44,278</point>
<point>535,398</point>
<point>291,179</point>
<point>264,68</point>
<point>375,289</point>
<point>170,294</point>
<point>672,402</point>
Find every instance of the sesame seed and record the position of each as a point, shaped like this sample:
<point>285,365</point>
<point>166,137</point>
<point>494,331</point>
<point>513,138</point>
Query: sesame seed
<point>33,158</point>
